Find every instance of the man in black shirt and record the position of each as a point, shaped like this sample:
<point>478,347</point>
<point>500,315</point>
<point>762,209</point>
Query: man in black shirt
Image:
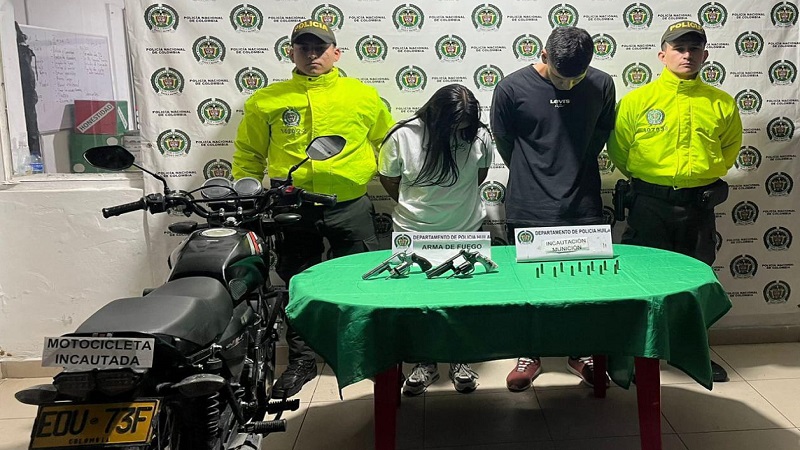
<point>550,121</point>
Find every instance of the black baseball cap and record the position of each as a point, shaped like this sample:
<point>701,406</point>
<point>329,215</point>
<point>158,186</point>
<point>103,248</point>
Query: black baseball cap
<point>683,28</point>
<point>313,27</point>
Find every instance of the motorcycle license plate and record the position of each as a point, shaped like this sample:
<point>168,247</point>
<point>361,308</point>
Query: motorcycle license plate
<point>73,425</point>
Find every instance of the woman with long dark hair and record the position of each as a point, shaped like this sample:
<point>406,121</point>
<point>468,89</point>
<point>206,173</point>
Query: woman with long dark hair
<point>432,165</point>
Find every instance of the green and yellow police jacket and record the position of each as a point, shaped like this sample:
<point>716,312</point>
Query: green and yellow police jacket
<point>674,132</point>
<point>281,119</point>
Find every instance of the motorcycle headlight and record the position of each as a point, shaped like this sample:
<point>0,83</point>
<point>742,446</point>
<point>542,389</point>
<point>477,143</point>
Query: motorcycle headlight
<point>247,186</point>
<point>216,187</point>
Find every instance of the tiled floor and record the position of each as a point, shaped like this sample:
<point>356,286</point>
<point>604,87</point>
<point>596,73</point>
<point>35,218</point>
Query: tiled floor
<point>757,409</point>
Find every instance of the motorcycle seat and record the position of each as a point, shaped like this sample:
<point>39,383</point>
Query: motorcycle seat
<point>195,309</point>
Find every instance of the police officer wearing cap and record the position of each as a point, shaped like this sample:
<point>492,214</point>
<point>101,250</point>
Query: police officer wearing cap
<point>674,138</point>
<point>279,122</point>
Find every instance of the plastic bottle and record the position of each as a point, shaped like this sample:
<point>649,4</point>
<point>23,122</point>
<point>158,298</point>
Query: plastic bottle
<point>25,166</point>
<point>37,164</point>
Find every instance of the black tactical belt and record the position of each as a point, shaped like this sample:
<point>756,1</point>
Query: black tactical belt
<point>667,193</point>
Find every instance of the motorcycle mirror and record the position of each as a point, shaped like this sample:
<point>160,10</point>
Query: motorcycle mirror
<point>320,149</point>
<point>116,157</point>
<point>324,147</point>
<point>109,157</point>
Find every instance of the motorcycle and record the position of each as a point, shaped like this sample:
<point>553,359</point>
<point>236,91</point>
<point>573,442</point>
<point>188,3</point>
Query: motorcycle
<point>190,364</point>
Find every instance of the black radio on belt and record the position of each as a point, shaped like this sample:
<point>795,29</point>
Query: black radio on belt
<point>713,194</point>
<point>621,198</point>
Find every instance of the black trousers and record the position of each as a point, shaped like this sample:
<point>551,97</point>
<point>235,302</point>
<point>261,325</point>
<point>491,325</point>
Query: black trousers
<point>349,229</point>
<point>685,227</point>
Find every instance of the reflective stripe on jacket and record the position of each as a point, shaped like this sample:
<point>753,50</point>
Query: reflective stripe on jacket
<point>678,133</point>
<point>281,119</point>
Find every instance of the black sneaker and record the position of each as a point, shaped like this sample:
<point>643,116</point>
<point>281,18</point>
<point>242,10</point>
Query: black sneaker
<point>718,373</point>
<point>294,377</point>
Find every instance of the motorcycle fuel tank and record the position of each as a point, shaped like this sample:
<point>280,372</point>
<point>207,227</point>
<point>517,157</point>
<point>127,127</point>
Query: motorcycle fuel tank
<point>211,251</point>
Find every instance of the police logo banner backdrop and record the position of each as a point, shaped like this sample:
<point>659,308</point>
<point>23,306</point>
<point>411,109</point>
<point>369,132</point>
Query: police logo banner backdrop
<point>196,62</point>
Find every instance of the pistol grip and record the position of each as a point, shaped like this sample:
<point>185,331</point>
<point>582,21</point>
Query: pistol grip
<point>489,265</point>
<point>423,263</point>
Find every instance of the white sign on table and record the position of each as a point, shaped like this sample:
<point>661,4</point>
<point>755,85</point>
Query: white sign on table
<point>438,247</point>
<point>563,243</point>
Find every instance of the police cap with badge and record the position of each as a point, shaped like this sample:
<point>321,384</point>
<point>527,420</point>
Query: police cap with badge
<point>682,28</point>
<point>314,28</point>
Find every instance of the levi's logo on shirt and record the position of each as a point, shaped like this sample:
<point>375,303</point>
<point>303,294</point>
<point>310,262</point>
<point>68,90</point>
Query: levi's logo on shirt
<point>560,103</point>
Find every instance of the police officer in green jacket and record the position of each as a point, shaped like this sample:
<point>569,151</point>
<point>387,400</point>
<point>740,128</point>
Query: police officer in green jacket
<point>675,137</point>
<point>279,122</point>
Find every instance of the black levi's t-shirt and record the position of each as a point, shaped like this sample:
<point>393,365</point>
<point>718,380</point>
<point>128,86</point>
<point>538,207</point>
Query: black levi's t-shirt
<point>551,139</point>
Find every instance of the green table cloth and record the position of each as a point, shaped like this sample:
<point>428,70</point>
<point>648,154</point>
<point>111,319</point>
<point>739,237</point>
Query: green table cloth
<point>643,302</point>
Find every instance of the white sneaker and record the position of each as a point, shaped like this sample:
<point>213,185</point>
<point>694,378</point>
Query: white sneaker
<point>463,377</point>
<point>422,376</point>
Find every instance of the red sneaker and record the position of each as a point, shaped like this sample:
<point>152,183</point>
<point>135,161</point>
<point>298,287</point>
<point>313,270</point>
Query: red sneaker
<point>584,368</point>
<point>522,376</point>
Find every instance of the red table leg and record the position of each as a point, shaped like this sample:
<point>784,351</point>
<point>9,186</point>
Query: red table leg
<point>599,376</point>
<point>386,402</point>
<point>399,382</point>
<point>648,391</point>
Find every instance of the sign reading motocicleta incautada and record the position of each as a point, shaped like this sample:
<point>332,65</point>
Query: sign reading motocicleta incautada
<point>84,353</point>
<point>563,243</point>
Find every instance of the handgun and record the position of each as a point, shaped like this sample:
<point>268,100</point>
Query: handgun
<point>384,266</point>
<point>477,257</point>
<point>405,260</point>
<point>400,271</point>
<point>414,258</point>
<point>464,269</point>
<point>444,267</point>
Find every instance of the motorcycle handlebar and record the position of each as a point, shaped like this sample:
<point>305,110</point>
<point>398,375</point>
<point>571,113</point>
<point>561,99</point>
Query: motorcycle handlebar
<point>126,208</point>
<point>323,199</point>
<point>158,203</point>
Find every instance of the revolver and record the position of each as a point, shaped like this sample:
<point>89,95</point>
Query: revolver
<point>414,258</point>
<point>382,267</point>
<point>464,268</point>
<point>477,257</point>
<point>406,261</point>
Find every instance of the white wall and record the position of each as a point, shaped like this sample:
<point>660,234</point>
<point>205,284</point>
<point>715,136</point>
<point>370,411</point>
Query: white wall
<point>59,259</point>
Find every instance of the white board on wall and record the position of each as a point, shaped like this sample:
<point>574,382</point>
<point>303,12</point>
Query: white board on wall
<point>69,66</point>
